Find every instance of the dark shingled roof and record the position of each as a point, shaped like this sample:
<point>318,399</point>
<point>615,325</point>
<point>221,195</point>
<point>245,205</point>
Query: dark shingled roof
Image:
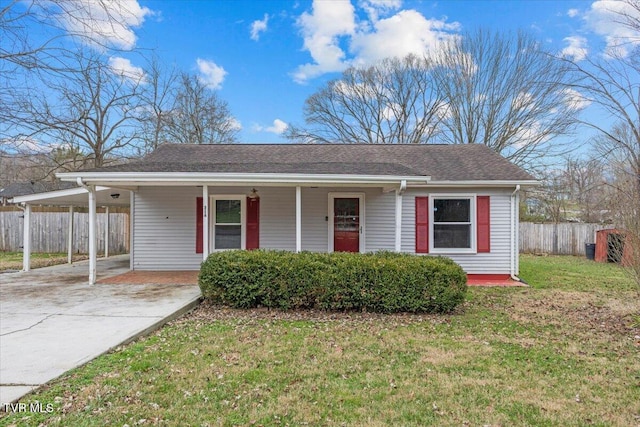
<point>464,162</point>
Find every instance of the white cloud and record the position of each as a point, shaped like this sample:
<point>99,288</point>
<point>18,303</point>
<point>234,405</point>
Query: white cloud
<point>576,49</point>
<point>522,101</point>
<point>604,18</point>
<point>105,23</point>
<point>572,13</point>
<point>529,135</point>
<point>27,145</point>
<point>575,100</point>
<point>234,123</point>
<point>375,7</point>
<point>259,26</point>
<point>406,32</point>
<point>332,26</point>
<point>278,127</point>
<point>211,74</point>
<point>321,30</point>
<point>124,68</point>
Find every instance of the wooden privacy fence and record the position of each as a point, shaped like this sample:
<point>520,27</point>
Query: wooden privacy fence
<point>557,239</point>
<point>49,231</point>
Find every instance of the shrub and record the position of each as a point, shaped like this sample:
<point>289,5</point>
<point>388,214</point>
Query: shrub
<point>383,282</point>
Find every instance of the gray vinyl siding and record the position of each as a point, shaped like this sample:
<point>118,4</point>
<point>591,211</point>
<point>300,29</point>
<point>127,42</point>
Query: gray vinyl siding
<point>164,226</point>
<point>379,214</point>
<point>380,220</point>
<point>315,224</point>
<point>278,218</point>
<point>495,262</point>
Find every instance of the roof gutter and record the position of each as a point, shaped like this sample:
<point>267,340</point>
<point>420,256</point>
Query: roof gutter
<point>479,183</point>
<point>81,184</point>
<point>403,187</point>
<point>198,178</point>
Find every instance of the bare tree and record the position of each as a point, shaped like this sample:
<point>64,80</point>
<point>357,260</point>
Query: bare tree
<point>585,182</point>
<point>505,92</point>
<point>158,98</point>
<point>90,111</point>
<point>613,84</point>
<point>94,23</point>
<point>629,15</point>
<point>393,102</point>
<point>60,24</point>
<point>552,196</point>
<point>199,116</point>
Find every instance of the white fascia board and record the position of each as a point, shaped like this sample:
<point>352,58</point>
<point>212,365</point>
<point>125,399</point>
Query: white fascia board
<point>27,198</point>
<point>476,184</point>
<point>36,197</point>
<point>191,178</point>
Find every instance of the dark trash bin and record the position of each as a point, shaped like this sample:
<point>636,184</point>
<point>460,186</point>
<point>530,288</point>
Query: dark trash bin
<point>590,250</point>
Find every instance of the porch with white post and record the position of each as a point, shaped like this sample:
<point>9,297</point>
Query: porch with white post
<point>298,219</point>
<point>92,235</point>
<point>26,238</point>
<point>106,232</point>
<point>398,228</point>
<point>70,236</point>
<point>205,222</point>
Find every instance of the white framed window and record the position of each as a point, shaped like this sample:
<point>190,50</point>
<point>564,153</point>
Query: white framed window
<point>452,223</point>
<point>228,222</point>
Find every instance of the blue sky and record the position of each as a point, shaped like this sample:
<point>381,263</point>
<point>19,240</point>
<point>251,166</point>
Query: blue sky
<point>266,57</point>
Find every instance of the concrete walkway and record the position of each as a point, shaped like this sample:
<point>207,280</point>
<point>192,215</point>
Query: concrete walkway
<point>51,320</point>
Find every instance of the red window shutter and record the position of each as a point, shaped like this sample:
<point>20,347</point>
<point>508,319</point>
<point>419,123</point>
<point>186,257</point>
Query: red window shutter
<point>483,224</point>
<point>422,225</point>
<point>199,225</point>
<point>253,223</point>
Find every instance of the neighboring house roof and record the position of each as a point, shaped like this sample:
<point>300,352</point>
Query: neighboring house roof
<point>33,187</point>
<point>463,162</point>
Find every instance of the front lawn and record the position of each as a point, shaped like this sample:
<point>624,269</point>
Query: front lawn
<point>565,351</point>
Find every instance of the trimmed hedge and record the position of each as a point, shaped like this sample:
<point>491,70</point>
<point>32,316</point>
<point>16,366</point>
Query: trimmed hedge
<point>385,282</point>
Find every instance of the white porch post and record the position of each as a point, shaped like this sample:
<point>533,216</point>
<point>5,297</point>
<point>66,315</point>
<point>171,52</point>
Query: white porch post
<point>26,239</point>
<point>106,232</point>
<point>92,235</point>
<point>398,246</point>
<point>205,222</point>
<point>298,219</point>
<point>70,236</point>
<point>132,209</point>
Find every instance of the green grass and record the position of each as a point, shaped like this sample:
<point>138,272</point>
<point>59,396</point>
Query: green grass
<point>13,260</point>
<point>561,352</point>
<point>573,273</point>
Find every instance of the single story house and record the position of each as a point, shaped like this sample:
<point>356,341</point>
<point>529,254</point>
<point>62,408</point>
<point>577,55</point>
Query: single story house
<point>459,201</point>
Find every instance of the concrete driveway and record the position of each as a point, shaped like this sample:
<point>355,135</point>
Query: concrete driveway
<point>51,320</point>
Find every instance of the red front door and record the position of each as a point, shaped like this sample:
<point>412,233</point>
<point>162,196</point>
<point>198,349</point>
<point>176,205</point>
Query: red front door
<point>346,225</point>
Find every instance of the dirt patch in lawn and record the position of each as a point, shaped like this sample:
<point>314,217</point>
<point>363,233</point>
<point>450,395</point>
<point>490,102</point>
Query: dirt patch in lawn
<point>586,313</point>
<point>208,311</point>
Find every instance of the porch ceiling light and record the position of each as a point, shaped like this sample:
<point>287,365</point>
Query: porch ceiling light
<point>115,196</point>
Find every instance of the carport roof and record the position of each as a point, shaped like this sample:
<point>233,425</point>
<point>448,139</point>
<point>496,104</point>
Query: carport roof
<point>78,196</point>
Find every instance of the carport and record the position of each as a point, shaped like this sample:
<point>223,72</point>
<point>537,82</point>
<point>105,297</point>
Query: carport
<point>82,196</point>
